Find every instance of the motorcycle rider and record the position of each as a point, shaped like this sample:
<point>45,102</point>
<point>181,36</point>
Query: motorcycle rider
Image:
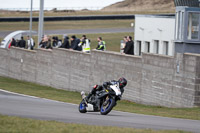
<point>122,83</point>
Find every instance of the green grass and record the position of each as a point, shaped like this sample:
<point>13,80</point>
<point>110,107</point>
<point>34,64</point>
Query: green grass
<point>56,25</point>
<point>11,124</point>
<point>74,97</point>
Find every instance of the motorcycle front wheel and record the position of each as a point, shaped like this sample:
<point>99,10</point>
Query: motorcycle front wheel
<point>107,106</point>
<point>82,107</point>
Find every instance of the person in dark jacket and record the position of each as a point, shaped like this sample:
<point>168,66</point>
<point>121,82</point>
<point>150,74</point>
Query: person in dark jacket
<point>46,43</point>
<point>129,48</point>
<point>74,43</point>
<point>55,41</point>
<point>22,43</point>
<point>65,43</point>
<point>13,43</point>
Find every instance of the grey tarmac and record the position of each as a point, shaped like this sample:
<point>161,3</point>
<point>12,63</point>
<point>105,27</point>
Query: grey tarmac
<point>77,31</point>
<point>14,104</point>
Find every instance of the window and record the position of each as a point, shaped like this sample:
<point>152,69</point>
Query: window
<point>139,45</point>
<point>179,25</point>
<point>156,46</point>
<point>193,26</point>
<point>147,47</point>
<point>165,47</point>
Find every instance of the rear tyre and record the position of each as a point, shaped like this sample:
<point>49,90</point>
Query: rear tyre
<point>82,107</point>
<point>105,109</point>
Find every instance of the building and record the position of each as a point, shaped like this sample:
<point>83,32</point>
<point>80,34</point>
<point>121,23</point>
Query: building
<point>154,34</point>
<point>169,34</point>
<point>187,30</point>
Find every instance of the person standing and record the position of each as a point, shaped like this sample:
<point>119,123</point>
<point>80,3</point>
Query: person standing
<point>46,43</point>
<point>101,44</point>
<point>65,43</point>
<point>129,47</point>
<point>74,43</point>
<point>30,43</point>
<point>13,42</point>
<point>55,41</point>
<point>85,43</point>
<point>22,43</point>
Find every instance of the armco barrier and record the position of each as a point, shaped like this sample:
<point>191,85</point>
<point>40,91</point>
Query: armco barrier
<point>65,18</point>
<point>152,79</point>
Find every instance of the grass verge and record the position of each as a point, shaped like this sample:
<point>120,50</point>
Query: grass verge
<point>10,124</point>
<point>74,97</point>
<point>60,25</point>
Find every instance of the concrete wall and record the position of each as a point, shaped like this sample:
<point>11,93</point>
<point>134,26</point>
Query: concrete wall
<point>152,79</point>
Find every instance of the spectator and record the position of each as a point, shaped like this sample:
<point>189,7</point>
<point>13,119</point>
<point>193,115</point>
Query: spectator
<point>55,41</point>
<point>129,47</point>
<point>66,42</point>
<point>125,41</point>
<point>41,42</point>
<point>85,44</point>
<point>59,43</point>
<point>123,44</point>
<point>22,43</point>
<point>30,43</point>
<point>46,43</point>
<point>74,43</point>
<point>13,42</point>
<point>101,44</point>
<point>17,43</point>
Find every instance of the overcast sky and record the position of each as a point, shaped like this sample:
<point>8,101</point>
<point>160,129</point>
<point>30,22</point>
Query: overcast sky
<point>56,3</point>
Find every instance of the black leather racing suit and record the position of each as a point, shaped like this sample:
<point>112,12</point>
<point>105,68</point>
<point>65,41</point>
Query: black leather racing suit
<point>101,87</point>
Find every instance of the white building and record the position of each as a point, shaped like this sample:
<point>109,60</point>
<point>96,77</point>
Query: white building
<point>154,34</point>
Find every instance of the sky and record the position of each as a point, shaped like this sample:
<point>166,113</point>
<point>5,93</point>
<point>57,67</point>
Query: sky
<point>57,3</point>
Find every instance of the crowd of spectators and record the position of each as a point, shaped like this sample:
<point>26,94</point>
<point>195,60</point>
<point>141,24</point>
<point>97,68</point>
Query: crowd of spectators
<point>22,43</point>
<point>72,43</point>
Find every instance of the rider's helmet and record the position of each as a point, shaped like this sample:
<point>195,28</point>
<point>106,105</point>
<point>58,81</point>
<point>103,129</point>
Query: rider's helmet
<point>122,82</point>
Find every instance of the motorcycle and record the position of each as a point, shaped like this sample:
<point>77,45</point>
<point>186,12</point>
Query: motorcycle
<point>103,101</point>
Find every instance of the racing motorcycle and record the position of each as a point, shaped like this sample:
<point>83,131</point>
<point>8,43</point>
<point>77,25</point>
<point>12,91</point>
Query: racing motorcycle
<point>103,101</point>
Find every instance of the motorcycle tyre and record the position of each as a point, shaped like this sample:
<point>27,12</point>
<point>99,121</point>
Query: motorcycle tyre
<point>82,110</point>
<point>112,104</point>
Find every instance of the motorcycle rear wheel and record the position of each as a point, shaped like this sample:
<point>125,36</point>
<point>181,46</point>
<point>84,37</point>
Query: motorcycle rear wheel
<point>105,109</point>
<point>82,107</point>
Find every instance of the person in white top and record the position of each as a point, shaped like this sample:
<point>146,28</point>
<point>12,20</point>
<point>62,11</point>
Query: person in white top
<point>30,43</point>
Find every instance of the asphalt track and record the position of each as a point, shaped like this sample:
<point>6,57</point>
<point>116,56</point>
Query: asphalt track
<point>77,31</point>
<point>14,104</point>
